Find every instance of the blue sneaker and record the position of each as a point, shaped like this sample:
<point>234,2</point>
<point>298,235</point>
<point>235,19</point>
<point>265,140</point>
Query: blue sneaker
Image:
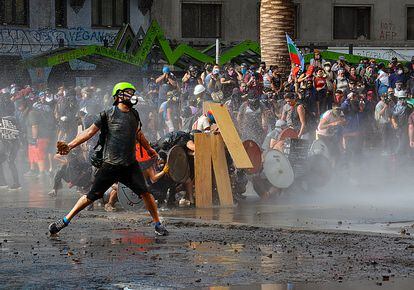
<point>160,230</point>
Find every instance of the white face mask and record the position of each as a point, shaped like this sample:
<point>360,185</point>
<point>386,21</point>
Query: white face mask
<point>400,71</point>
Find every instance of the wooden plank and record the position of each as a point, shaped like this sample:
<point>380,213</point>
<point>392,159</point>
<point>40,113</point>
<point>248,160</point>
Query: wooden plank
<point>230,136</point>
<point>221,171</point>
<point>202,168</point>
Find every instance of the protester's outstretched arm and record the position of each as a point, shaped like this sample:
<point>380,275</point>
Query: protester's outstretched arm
<point>83,136</point>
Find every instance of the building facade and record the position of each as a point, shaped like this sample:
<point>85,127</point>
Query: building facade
<point>373,23</point>
<point>381,26</point>
<point>376,28</point>
<point>35,27</point>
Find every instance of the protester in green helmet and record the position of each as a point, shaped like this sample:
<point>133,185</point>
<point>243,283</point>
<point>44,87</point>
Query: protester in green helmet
<point>121,129</point>
<point>123,93</point>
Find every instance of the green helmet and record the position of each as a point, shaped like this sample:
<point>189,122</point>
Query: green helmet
<point>122,86</point>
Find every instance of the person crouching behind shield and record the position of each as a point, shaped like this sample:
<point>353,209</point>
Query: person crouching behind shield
<point>122,128</point>
<point>148,165</point>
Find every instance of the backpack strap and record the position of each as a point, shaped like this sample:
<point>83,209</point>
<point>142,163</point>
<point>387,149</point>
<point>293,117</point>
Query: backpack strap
<point>104,129</point>
<point>139,123</point>
<point>139,126</point>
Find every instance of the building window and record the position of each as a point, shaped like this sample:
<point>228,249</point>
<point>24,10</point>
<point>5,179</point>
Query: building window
<point>201,20</point>
<point>60,13</point>
<point>109,13</point>
<point>352,22</point>
<point>14,12</point>
<point>410,23</point>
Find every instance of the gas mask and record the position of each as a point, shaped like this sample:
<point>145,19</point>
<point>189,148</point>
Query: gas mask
<point>193,73</point>
<point>127,99</point>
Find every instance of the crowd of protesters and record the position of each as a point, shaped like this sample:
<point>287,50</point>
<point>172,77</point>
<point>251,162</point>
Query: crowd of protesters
<point>349,107</point>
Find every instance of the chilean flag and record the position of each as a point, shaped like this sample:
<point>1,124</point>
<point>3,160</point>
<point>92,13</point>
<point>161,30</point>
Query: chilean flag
<point>296,56</point>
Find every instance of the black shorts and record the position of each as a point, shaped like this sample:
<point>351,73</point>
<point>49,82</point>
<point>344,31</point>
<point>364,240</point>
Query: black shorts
<point>109,174</point>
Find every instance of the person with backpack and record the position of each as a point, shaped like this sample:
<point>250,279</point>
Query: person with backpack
<point>115,156</point>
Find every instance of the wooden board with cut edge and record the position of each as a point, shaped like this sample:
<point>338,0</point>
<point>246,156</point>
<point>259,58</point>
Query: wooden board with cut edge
<point>202,167</point>
<point>221,171</point>
<point>230,135</point>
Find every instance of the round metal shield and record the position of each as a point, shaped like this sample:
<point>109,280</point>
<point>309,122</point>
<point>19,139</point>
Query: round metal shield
<point>319,147</point>
<point>277,169</point>
<point>178,162</point>
<point>128,199</point>
<point>288,133</point>
<point>255,154</point>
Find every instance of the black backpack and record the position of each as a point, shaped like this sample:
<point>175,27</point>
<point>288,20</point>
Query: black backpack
<point>96,157</point>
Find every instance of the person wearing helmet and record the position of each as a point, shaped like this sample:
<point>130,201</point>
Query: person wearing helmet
<point>273,136</point>
<point>122,129</point>
<point>166,82</point>
<point>199,93</point>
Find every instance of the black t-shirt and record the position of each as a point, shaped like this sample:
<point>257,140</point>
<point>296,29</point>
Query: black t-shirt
<point>120,139</point>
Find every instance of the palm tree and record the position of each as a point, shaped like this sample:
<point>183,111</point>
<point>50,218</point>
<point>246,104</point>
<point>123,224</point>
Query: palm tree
<point>276,18</point>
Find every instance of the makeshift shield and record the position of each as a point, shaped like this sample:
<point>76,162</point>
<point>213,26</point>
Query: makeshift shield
<point>178,163</point>
<point>297,151</point>
<point>277,169</point>
<point>255,154</point>
<point>319,147</point>
<point>128,199</point>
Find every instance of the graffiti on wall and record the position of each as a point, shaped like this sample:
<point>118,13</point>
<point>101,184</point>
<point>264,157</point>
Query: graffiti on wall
<point>388,31</point>
<point>401,53</point>
<point>18,41</point>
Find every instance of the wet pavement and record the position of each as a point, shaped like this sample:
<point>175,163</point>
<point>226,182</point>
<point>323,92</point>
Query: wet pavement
<point>359,208</point>
<point>100,250</point>
<point>297,241</point>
